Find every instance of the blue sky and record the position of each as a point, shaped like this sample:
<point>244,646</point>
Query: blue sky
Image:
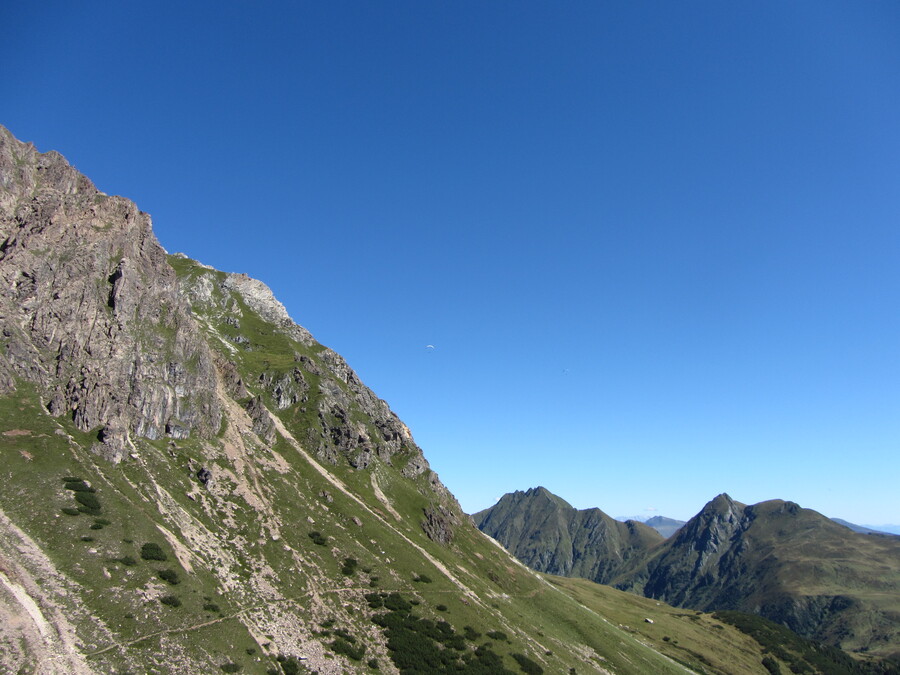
<point>655,245</point>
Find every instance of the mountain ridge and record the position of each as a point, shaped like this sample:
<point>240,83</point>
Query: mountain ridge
<point>775,558</point>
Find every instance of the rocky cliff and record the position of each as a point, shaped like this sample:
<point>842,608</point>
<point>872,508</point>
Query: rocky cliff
<point>91,313</point>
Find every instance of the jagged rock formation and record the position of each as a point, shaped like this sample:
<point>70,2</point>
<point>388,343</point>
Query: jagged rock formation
<point>91,311</point>
<point>549,535</point>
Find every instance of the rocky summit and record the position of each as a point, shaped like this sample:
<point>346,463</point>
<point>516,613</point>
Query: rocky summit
<point>190,483</point>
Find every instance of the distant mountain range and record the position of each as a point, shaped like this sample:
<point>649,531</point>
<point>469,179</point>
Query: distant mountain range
<point>665,526</point>
<point>776,559</point>
<point>669,526</point>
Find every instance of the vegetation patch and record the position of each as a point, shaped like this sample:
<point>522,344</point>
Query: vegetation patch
<point>152,551</point>
<point>802,656</point>
<point>170,600</point>
<point>78,485</point>
<point>89,502</point>
<point>349,567</point>
<point>528,666</point>
<point>170,576</point>
<point>318,538</point>
<point>419,645</point>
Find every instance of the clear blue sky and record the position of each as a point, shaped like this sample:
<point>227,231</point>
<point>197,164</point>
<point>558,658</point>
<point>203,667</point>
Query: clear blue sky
<point>656,245</point>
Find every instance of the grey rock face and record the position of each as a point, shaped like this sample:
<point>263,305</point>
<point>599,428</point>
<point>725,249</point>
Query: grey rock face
<point>91,311</point>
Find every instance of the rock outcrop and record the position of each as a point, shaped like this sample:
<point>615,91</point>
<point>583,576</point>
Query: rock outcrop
<point>91,311</point>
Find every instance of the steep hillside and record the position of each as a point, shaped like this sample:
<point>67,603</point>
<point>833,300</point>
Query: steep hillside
<point>786,563</point>
<point>192,484</point>
<point>549,535</point>
<point>791,565</point>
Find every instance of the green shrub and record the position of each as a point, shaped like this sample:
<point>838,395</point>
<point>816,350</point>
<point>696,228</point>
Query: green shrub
<point>211,607</point>
<point>441,608</point>
<point>170,600</point>
<point>425,646</point>
<point>96,526</point>
<point>422,579</point>
<point>470,633</point>
<point>152,551</point>
<point>771,665</point>
<point>71,511</point>
<point>346,645</point>
<point>349,567</point>
<point>318,538</point>
<point>87,539</point>
<point>127,560</point>
<point>89,501</point>
<point>528,666</point>
<point>230,667</point>
<point>78,486</point>
<point>372,663</point>
<point>171,576</point>
<point>497,635</point>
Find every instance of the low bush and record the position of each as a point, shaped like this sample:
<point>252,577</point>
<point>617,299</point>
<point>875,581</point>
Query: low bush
<point>318,538</point>
<point>127,560</point>
<point>528,666</point>
<point>71,511</point>
<point>170,600</point>
<point>78,486</point>
<point>349,567</point>
<point>211,607</point>
<point>346,645</point>
<point>497,635</point>
<point>422,579</point>
<point>152,551</point>
<point>231,667</point>
<point>170,576</point>
<point>89,501</point>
